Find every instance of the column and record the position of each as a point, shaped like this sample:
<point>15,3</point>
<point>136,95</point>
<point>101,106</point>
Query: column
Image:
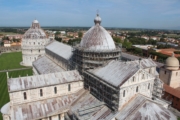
<point>62,116</point>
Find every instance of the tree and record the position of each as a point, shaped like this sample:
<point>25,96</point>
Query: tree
<point>5,38</point>
<point>57,33</point>
<point>151,42</point>
<point>80,34</point>
<point>162,40</point>
<point>71,41</point>
<point>58,39</point>
<point>117,40</point>
<point>127,44</point>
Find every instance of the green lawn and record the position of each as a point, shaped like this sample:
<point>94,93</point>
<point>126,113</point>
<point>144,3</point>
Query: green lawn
<point>4,96</point>
<point>8,33</point>
<point>10,60</point>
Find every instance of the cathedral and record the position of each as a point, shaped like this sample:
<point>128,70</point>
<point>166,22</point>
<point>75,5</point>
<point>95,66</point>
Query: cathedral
<point>86,81</point>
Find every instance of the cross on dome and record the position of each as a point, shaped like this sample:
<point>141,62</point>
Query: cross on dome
<point>97,20</point>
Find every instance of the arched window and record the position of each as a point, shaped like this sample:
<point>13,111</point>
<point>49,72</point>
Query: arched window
<point>137,89</point>
<point>41,92</point>
<point>150,70</point>
<point>55,90</point>
<point>133,79</point>
<point>39,51</point>
<point>148,85</point>
<point>25,96</point>
<point>143,77</point>
<point>124,93</point>
<point>69,87</point>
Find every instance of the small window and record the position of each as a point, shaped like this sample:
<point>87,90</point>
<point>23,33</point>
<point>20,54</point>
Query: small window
<point>143,77</point>
<point>137,89</point>
<point>39,51</point>
<point>133,79</point>
<point>176,73</point>
<point>41,92</point>
<point>69,87</point>
<point>150,70</point>
<point>34,43</point>
<point>31,51</point>
<point>55,90</point>
<point>148,85</point>
<point>25,96</point>
<point>124,93</point>
<point>164,72</point>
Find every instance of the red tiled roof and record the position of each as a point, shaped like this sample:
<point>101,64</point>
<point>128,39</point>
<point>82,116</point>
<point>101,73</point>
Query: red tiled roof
<point>168,52</point>
<point>172,91</point>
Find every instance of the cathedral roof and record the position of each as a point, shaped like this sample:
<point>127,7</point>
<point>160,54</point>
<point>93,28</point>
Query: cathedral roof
<point>44,108</point>
<point>31,82</point>
<point>116,72</point>
<point>35,32</point>
<point>88,107</point>
<point>60,49</point>
<point>97,38</point>
<point>127,56</point>
<point>142,108</point>
<point>44,65</point>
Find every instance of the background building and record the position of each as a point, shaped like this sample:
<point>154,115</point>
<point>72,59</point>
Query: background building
<point>170,73</point>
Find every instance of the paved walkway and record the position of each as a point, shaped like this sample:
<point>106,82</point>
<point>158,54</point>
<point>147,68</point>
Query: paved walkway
<point>15,69</point>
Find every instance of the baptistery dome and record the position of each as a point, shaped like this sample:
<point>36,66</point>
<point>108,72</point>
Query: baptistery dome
<point>33,43</point>
<point>97,38</point>
<point>172,63</point>
<point>35,32</point>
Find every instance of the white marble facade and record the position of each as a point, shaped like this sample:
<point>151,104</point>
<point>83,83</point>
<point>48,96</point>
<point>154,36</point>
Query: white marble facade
<point>33,44</point>
<point>142,82</point>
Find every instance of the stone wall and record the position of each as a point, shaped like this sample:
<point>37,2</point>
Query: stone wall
<point>48,92</point>
<point>10,49</point>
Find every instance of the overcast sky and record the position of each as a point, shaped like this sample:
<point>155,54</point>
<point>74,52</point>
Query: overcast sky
<point>114,13</point>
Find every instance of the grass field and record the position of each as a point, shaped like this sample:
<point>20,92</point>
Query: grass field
<point>4,96</point>
<point>8,33</point>
<point>10,60</point>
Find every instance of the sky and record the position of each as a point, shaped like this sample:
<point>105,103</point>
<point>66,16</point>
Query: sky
<point>155,14</point>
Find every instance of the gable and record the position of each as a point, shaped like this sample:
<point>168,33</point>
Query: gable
<point>140,76</point>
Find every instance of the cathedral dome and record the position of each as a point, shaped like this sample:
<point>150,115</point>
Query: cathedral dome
<point>97,38</point>
<point>172,63</point>
<point>35,32</point>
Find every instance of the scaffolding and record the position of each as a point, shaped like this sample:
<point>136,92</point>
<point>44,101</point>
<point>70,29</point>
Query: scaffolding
<point>85,59</point>
<point>102,90</point>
